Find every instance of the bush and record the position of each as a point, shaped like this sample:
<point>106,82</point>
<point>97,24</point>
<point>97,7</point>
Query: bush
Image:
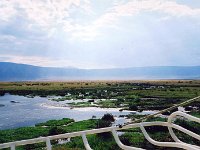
<point>103,124</point>
<point>108,117</point>
<point>188,108</point>
<point>56,131</point>
<point>133,107</point>
<point>105,121</point>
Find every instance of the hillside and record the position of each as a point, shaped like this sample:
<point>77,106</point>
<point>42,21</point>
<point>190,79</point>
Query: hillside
<point>19,72</point>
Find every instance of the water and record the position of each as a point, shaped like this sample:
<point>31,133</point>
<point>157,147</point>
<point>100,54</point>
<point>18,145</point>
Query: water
<point>29,111</point>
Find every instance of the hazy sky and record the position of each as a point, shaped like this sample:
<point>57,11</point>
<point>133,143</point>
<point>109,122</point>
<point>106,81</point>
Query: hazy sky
<point>100,33</point>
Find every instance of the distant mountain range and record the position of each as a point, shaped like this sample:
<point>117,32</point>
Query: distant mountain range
<point>22,72</point>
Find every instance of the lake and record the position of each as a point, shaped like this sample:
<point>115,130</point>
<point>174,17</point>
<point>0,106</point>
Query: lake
<point>18,111</point>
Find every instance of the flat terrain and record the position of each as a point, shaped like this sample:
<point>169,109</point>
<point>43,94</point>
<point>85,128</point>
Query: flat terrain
<point>132,95</point>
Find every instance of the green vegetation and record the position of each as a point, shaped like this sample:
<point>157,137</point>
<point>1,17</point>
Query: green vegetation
<point>195,113</point>
<point>52,123</point>
<point>81,104</point>
<point>132,95</point>
<point>96,142</point>
<point>105,121</point>
<point>22,133</point>
<point>107,104</point>
<point>131,137</point>
<point>65,125</point>
<point>134,137</point>
<point>81,125</point>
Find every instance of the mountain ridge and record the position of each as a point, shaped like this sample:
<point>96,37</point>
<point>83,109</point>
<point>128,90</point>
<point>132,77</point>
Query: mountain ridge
<point>21,72</point>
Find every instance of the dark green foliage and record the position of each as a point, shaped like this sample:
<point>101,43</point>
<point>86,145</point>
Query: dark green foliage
<point>103,124</point>
<point>108,117</point>
<point>190,125</point>
<point>133,107</point>
<point>61,122</point>
<point>56,130</point>
<point>37,146</point>
<point>105,121</point>
<point>133,139</point>
<point>154,129</point>
<point>188,108</point>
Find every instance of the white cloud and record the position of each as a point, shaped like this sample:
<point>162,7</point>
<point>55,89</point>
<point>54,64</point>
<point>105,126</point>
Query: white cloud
<point>44,13</point>
<point>50,15</point>
<point>35,60</point>
<point>136,6</point>
<point>9,38</point>
<point>169,7</point>
<point>51,62</point>
<point>7,11</point>
<point>22,59</point>
<point>113,15</point>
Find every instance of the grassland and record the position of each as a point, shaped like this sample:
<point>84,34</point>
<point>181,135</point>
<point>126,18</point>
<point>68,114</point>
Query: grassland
<point>132,95</point>
<point>59,88</point>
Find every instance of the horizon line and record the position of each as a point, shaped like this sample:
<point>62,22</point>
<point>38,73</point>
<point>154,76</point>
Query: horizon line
<point>72,67</point>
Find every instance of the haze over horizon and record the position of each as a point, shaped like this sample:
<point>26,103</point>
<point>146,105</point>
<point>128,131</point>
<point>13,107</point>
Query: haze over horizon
<point>93,34</point>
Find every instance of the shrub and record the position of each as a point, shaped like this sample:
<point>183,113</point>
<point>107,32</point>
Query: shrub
<point>105,121</point>
<point>56,131</point>
<point>108,117</point>
<point>188,108</point>
<point>133,107</point>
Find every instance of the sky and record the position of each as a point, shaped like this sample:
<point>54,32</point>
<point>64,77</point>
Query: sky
<point>98,34</point>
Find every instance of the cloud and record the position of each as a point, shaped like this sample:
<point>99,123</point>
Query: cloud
<point>34,60</point>
<point>23,59</point>
<point>91,34</point>
<point>44,13</point>
<point>137,6</point>
<point>9,38</point>
<point>51,62</point>
<point>134,7</point>
<point>47,16</point>
<point>7,11</point>
<point>53,15</point>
